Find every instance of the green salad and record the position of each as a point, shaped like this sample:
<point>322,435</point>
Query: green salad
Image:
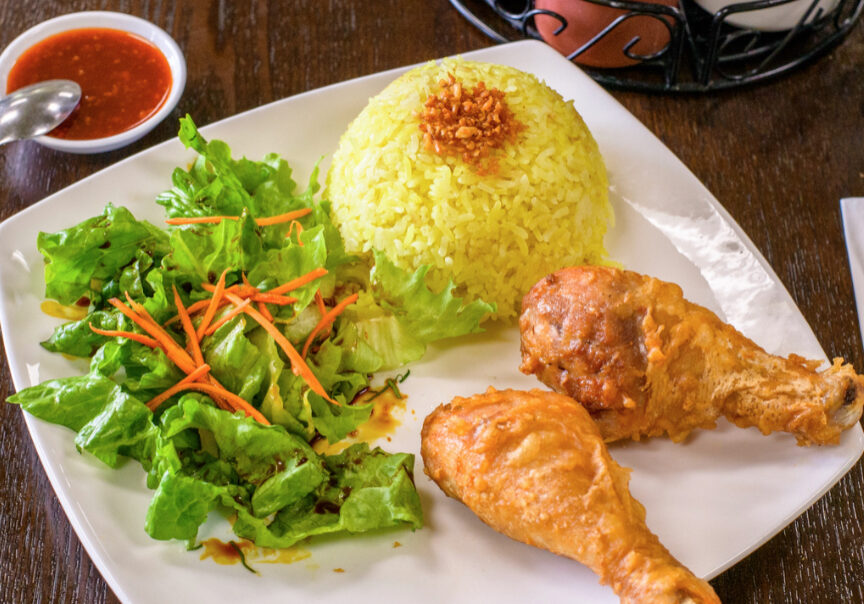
<point>223,346</point>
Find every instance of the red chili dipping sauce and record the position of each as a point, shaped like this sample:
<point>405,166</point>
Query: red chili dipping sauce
<point>124,79</point>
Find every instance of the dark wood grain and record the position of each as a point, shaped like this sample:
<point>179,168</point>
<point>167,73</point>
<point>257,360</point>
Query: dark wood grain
<point>778,156</point>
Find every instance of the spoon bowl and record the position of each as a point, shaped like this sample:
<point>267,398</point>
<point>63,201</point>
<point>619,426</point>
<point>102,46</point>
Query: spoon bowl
<point>36,109</point>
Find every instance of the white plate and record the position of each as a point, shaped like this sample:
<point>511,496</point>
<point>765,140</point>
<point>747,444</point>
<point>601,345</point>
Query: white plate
<point>711,500</point>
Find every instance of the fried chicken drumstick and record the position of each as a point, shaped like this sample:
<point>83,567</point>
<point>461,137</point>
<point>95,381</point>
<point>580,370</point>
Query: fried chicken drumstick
<point>532,465</point>
<point>644,361</point>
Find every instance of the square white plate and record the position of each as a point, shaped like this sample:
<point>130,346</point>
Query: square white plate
<point>711,500</point>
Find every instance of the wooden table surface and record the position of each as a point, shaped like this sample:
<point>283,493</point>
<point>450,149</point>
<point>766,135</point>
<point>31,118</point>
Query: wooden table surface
<point>778,156</point>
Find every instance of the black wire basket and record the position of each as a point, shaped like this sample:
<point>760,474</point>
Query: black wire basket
<point>702,51</point>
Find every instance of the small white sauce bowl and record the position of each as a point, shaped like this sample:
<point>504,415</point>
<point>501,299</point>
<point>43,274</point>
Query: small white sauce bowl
<point>110,20</point>
<point>775,18</point>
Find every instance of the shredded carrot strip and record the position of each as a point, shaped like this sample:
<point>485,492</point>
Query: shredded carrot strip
<point>222,396</point>
<point>299,227</point>
<point>128,312</point>
<point>287,217</point>
<point>247,291</point>
<point>180,357</point>
<point>298,365</point>
<point>138,308</point>
<point>236,401</point>
<point>157,331</point>
<point>195,307</point>
<point>299,281</point>
<point>157,400</point>
<point>319,300</point>
<point>253,293</point>
<point>200,219</point>
<point>192,309</point>
<point>273,299</point>
<point>114,333</point>
<point>214,303</point>
<point>322,309</point>
<point>243,291</point>
<point>266,221</point>
<point>221,401</point>
<point>328,319</point>
<point>212,288</point>
<point>227,317</point>
<point>191,336</point>
<point>155,328</point>
<point>262,308</point>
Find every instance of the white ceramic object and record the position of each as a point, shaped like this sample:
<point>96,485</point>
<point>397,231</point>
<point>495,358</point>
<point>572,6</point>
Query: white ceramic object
<point>111,20</point>
<point>711,500</point>
<point>852,212</point>
<point>782,17</point>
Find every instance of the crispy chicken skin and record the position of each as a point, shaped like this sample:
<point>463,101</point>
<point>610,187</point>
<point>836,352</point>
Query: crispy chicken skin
<point>644,361</point>
<point>532,465</point>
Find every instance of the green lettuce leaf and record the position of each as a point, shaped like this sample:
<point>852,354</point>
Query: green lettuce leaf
<point>276,266</point>
<point>291,412</point>
<point>276,467</point>
<point>110,423</point>
<point>130,279</point>
<point>110,357</point>
<point>77,339</point>
<point>368,490</point>
<point>282,466</point>
<point>217,184</point>
<point>234,360</point>
<point>94,251</point>
<point>148,371</point>
<point>181,504</point>
<point>384,334</point>
<point>427,315</point>
<point>403,315</point>
<point>72,402</point>
<point>200,254</point>
<point>331,421</point>
<point>124,428</point>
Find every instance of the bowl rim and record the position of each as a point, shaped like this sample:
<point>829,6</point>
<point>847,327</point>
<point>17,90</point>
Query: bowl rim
<point>109,20</point>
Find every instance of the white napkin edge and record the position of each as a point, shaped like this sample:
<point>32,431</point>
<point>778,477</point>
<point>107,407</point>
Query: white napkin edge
<point>852,214</point>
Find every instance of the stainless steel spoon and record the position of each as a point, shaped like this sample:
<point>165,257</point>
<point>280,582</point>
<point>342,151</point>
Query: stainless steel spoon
<point>37,109</point>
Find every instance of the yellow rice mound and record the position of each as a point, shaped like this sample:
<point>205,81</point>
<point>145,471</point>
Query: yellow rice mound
<point>495,235</point>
